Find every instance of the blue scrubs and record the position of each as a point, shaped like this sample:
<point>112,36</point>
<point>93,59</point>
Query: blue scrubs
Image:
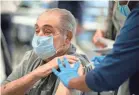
<point>122,62</point>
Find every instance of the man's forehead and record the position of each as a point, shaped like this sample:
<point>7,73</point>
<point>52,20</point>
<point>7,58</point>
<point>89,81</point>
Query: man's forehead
<point>48,19</point>
<point>47,24</point>
<point>49,14</point>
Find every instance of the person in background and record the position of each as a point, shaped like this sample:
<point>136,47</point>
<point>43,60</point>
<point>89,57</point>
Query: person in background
<point>5,65</point>
<point>76,8</point>
<point>113,24</point>
<point>8,8</point>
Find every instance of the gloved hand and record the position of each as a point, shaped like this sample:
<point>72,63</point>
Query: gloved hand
<point>108,45</point>
<point>67,73</point>
<point>97,60</point>
<point>98,34</point>
<point>107,42</point>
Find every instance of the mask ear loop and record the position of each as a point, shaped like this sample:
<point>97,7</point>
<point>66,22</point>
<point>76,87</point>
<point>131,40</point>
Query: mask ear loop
<point>127,3</point>
<point>61,47</point>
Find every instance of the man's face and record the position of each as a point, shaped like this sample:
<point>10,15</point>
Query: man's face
<point>49,24</point>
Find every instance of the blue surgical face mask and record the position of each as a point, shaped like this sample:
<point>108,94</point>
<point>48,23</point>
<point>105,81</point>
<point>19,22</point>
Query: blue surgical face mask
<point>43,46</point>
<point>124,9</point>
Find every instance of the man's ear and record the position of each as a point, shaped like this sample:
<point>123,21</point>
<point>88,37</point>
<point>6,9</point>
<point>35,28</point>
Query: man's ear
<point>69,37</point>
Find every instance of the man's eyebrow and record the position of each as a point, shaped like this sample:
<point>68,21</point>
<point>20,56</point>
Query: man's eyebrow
<point>44,25</point>
<point>48,26</point>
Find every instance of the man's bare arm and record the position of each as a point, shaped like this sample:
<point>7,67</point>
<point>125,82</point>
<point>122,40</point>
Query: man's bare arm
<point>76,84</point>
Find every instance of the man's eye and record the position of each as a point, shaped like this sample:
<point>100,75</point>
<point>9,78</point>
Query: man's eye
<point>47,32</point>
<point>37,30</point>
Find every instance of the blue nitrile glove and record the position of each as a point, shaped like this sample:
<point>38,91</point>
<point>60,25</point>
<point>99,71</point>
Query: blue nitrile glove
<point>97,59</point>
<point>67,73</point>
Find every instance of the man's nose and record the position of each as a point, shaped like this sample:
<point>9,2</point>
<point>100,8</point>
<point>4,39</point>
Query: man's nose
<point>41,33</point>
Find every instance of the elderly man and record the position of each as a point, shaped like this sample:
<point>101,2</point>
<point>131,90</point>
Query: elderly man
<point>51,40</point>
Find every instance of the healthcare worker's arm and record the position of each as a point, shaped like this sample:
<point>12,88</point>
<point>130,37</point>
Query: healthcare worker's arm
<point>122,62</point>
<point>117,66</point>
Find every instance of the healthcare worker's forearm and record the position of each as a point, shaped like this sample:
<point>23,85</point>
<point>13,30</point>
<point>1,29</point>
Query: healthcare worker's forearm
<point>19,86</point>
<point>79,83</point>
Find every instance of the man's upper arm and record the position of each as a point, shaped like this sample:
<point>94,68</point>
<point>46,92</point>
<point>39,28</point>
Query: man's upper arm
<point>19,70</point>
<point>122,62</point>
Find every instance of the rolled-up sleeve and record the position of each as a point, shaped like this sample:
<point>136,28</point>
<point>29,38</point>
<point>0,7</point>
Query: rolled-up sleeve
<point>122,62</point>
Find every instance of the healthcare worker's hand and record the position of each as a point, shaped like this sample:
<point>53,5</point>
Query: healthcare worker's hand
<point>46,69</point>
<point>107,43</point>
<point>98,34</point>
<point>66,72</point>
<point>97,60</point>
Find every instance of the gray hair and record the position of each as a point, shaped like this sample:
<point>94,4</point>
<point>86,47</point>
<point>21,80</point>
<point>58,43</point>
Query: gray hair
<point>68,22</point>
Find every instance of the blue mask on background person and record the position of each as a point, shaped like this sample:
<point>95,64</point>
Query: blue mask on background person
<point>124,9</point>
<point>43,46</point>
